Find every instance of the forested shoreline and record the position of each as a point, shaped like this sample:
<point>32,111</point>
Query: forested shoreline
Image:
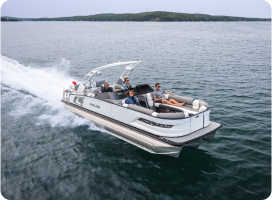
<point>4,19</point>
<point>158,16</point>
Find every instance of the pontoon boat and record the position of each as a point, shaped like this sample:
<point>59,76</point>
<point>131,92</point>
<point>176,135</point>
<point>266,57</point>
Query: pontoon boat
<point>155,127</point>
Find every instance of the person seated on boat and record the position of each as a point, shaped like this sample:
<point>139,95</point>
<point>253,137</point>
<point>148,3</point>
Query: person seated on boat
<point>127,85</point>
<point>159,97</point>
<point>106,88</point>
<point>131,98</point>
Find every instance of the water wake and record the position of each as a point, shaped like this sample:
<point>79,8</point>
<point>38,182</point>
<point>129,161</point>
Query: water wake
<point>38,92</point>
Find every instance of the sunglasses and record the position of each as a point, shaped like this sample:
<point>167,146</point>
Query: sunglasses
<point>127,80</point>
<point>130,93</point>
<point>158,86</point>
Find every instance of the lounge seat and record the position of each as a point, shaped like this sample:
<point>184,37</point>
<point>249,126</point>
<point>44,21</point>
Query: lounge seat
<point>152,104</point>
<point>192,104</point>
<point>175,108</point>
<point>155,114</point>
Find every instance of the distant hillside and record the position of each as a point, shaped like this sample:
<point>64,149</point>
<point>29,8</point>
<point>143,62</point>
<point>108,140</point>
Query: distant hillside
<point>23,19</point>
<point>152,16</point>
<point>3,19</point>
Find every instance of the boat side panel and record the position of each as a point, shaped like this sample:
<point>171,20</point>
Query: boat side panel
<point>206,118</point>
<point>180,127</point>
<point>176,141</point>
<point>197,122</point>
<point>131,117</point>
<point>176,130</point>
<point>95,105</point>
<point>118,112</point>
<point>125,115</point>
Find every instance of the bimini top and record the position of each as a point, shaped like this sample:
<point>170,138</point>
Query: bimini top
<point>129,67</point>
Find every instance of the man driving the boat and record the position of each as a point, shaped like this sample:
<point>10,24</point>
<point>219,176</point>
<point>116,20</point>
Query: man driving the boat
<point>131,98</point>
<point>159,97</point>
<point>106,88</point>
<point>127,85</point>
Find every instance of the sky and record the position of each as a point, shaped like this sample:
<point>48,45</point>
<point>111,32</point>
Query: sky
<point>65,8</point>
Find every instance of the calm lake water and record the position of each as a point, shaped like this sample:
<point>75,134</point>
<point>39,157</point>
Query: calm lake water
<point>50,153</point>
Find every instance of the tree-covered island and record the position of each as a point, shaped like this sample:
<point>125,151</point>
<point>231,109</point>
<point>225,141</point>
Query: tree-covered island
<point>158,16</point>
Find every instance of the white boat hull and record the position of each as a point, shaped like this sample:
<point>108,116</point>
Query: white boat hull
<point>170,146</point>
<point>180,127</point>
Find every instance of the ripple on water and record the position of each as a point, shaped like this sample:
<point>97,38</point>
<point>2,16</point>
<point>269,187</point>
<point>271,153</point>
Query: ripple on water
<point>51,153</point>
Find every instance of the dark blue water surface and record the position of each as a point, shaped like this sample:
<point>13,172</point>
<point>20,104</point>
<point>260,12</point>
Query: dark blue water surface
<point>51,153</point>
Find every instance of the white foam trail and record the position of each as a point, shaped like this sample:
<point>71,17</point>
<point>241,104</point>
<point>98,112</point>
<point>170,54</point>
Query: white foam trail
<point>23,102</point>
<point>47,85</point>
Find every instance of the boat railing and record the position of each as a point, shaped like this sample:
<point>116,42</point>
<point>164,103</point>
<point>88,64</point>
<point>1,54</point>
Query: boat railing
<point>66,94</point>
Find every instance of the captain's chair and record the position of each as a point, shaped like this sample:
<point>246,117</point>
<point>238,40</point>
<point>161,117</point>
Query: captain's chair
<point>150,100</point>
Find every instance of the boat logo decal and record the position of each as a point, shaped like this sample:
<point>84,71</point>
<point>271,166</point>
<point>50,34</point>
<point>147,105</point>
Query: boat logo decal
<point>154,123</point>
<point>96,106</point>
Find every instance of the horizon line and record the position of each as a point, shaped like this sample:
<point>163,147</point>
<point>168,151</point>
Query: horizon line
<point>136,13</point>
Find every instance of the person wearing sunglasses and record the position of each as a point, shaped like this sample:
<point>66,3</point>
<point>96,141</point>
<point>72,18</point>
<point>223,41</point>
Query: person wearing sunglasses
<point>127,85</point>
<point>159,97</point>
<point>106,88</point>
<point>131,98</point>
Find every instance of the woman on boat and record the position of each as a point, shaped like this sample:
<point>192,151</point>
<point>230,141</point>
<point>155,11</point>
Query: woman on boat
<point>131,98</point>
<point>127,85</point>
